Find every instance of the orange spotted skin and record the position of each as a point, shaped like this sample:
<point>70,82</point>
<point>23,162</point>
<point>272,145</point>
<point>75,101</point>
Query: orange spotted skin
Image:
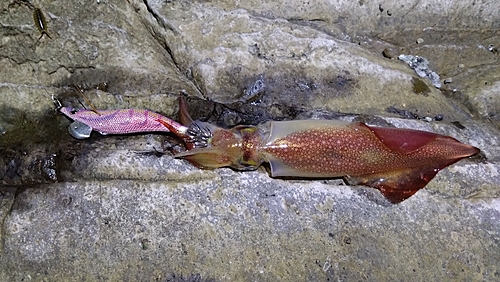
<point>329,152</point>
<point>398,162</point>
<point>353,150</point>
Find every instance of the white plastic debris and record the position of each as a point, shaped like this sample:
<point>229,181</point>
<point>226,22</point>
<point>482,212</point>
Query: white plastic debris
<point>420,66</point>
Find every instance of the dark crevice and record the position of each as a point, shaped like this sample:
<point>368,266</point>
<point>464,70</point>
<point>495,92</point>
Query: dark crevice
<point>164,23</point>
<point>158,37</point>
<point>161,20</point>
<point>312,23</point>
<point>304,21</point>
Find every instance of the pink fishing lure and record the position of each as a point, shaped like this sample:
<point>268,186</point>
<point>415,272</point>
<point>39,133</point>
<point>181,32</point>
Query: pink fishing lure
<point>117,122</point>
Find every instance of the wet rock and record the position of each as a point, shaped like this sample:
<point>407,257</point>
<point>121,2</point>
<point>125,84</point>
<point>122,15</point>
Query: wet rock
<point>122,208</point>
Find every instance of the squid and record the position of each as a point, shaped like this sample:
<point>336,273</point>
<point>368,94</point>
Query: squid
<point>398,162</point>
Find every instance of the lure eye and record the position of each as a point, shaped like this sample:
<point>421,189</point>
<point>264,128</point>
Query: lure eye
<point>73,111</point>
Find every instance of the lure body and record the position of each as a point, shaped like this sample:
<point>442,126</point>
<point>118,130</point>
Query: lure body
<point>119,122</point>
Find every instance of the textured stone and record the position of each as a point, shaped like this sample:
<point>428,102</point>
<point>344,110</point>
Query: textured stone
<point>121,208</point>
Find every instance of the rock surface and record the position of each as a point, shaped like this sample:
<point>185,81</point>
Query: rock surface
<point>122,208</point>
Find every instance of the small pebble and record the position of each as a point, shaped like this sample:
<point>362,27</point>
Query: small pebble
<point>387,53</point>
<point>461,66</point>
<point>492,49</point>
<point>448,80</point>
<point>428,119</point>
<point>420,40</point>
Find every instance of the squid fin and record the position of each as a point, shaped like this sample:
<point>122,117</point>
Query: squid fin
<point>403,140</point>
<point>399,185</point>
